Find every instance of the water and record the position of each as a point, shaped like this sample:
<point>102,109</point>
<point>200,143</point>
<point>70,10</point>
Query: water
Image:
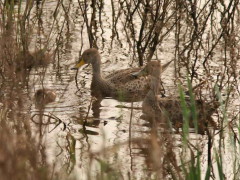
<point>108,125</point>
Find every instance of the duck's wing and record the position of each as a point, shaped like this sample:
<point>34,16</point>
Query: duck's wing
<point>134,90</point>
<point>126,75</point>
<point>122,76</point>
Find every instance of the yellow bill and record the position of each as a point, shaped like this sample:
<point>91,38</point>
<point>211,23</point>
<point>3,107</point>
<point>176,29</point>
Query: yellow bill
<point>80,64</point>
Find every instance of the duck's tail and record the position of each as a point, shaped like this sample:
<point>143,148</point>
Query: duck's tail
<point>164,67</point>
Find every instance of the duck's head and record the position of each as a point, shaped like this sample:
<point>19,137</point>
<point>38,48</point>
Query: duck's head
<point>44,96</point>
<point>152,68</point>
<point>89,56</point>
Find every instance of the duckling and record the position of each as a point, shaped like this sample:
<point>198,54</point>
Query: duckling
<point>44,96</point>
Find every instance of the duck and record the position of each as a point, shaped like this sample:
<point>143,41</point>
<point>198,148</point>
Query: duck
<point>44,96</point>
<point>27,60</point>
<point>169,108</point>
<point>42,58</point>
<point>122,85</point>
<point>24,61</point>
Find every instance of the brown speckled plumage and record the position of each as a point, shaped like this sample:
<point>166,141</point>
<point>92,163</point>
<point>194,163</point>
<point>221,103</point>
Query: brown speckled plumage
<point>120,84</point>
<point>169,108</point>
